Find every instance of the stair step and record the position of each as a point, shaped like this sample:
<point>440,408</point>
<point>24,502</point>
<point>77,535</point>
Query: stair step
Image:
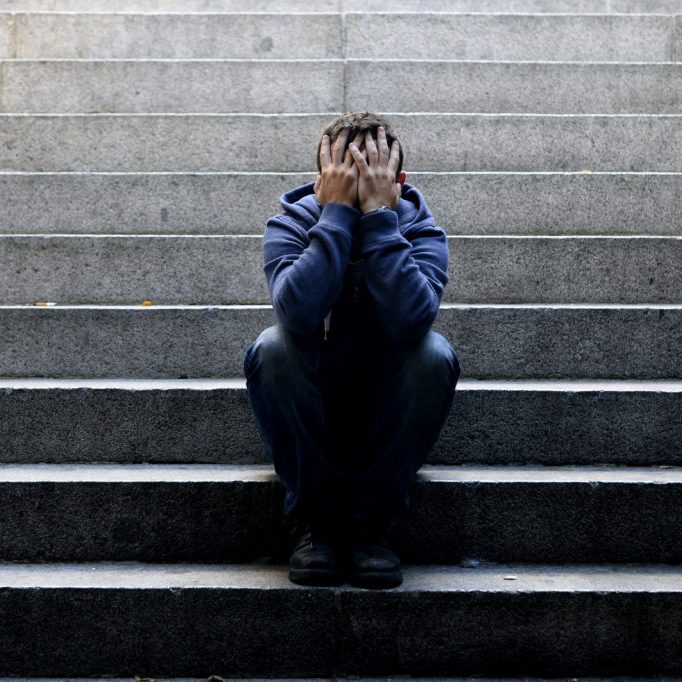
<point>210,421</point>
<point>250,142</point>
<point>492,341</point>
<point>264,86</point>
<point>233,513</point>
<point>636,37</point>
<point>60,35</point>
<point>229,269</point>
<point>248,620</point>
<point>259,86</point>
<point>502,6</point>
<point>240,203</point>
<point>421,35</point>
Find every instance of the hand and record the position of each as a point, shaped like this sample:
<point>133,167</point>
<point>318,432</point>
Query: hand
<point>377,184</point>
<point>337,183</point>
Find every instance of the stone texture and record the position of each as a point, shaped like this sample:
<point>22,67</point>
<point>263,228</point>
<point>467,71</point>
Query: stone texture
<point>229,270</point>
<point>503,6</point>
<point>241,203</point>
<point>441,621</point>
<point>228,142</point>
<point>511,37</point>
<point>215,513</point>
<point>186,6</point>
<point>155,203</point>
<point>493,342</point>
<point>506,6</point>
<point>177,86</point>
<point>124,270</point>
<point>494,423</point>
<point>265,87</point>
<point>177,36</point>
<point>477,87</point>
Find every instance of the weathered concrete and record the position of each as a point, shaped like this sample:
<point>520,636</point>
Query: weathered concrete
<point>186,6</point>
<point>249,620</point>
<point>634,37</point>
<point>496,342</point>
<point>183,6</point>
<point>62,512</point>
<point>211,421</point>
<point>262,86</point>
<point>507,87</point>
<point>249,142</point>
<point>548,37</point>
<point>175,36</point>
<point>241,203</point>
<point>229,270</point>
<point>501,6</point>
<point>257,86</point>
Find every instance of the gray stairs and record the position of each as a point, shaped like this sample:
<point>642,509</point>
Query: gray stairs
<point>143,144</point>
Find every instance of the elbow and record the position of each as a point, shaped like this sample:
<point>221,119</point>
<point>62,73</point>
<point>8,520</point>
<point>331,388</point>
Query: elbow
<point>411,325</point>
<point>297,321</point>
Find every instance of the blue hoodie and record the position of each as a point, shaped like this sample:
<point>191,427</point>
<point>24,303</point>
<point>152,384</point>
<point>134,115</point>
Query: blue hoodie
<point>381,276</point>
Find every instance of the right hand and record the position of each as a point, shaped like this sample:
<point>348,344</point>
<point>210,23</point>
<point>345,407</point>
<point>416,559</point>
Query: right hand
<point>337,183</point>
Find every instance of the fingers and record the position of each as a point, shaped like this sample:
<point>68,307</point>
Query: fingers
<point>358,158</point>
<point>383,145</point>
<point>372,152</point>
<point>394,160</point>
<point>325,153</point>
<point>339,147</point>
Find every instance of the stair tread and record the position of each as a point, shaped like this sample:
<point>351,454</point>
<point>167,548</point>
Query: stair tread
<point>192,473</point>
<point>419,578</point>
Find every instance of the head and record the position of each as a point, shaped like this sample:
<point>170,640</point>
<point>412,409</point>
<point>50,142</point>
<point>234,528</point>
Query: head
<point>359,122</point>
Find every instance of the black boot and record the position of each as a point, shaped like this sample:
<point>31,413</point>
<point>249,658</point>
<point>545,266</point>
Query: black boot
<point>372,561</point>
<point>317,555</point>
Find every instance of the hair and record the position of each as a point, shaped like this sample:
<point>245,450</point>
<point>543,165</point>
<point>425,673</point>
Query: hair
<point>359,122</point>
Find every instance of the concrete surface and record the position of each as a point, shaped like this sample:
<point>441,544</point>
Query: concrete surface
<point>264,86</point>
<point>210,421</point>
<point>513,37</point>
<point>170,36</point>
<point>250,142</point>
<point>240,203</point>
<point>86,512</point>
<point>493,341</point>
<point>229,270</point>
<point>440,621</point>
<point>259,86</point>
<point>512,87</point>
<point>549,6</point>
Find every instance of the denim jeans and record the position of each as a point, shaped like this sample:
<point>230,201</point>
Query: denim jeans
<point>347,423</point>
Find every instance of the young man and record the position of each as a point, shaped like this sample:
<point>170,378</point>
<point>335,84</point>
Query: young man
<point>351,388</point>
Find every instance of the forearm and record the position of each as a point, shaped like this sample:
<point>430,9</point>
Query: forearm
<point>304,280</point>
<point>405,278</point>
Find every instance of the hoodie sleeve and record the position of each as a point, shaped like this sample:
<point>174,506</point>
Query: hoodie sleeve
<point>405,274</point>
<point>305,268</point>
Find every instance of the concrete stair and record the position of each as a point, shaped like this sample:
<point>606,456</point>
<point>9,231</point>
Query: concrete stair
<point>143,145</point>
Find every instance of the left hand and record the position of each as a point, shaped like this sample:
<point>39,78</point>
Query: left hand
<point>377,184</point>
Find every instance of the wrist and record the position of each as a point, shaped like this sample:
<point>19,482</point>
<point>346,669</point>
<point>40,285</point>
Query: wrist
<point>375,208</point>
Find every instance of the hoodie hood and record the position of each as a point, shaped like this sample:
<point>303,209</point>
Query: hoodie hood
<point>301,203</point>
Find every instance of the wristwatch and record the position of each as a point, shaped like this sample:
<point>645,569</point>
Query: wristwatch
<point>378,209</point>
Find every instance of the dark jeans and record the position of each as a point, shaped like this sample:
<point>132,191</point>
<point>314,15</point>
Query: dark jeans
<point>347,424</point>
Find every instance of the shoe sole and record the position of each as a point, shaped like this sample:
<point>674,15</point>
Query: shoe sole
<point>376,579</point>
<point>316,576</point>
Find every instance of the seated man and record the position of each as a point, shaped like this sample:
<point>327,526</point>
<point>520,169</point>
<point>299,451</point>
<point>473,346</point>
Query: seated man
<point>351,388</point>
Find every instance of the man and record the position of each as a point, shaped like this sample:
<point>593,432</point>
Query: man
<point>351,388</point>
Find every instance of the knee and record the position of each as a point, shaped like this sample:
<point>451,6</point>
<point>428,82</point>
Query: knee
<point>437,358</point>
<point>278,352</point>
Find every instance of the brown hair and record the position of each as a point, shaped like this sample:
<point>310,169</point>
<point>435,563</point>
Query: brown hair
<point>359,122</point>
